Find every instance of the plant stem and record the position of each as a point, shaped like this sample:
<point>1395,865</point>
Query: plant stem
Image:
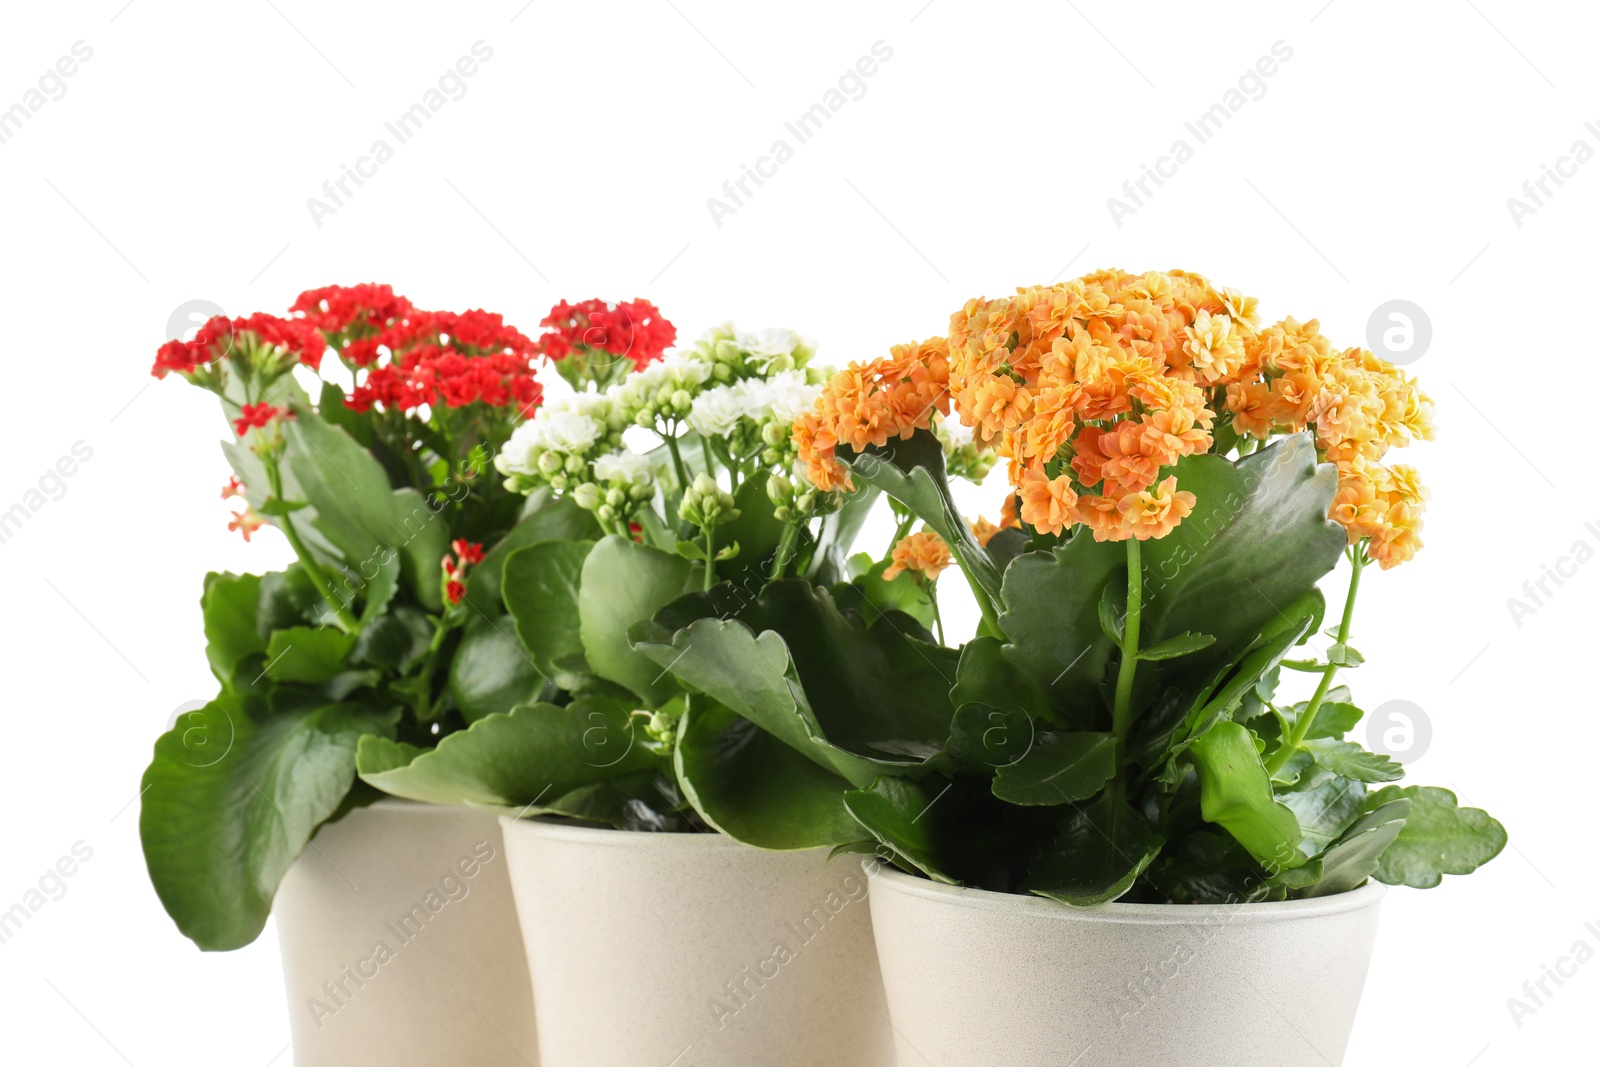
<point>677,460</point>
<point>711,563</point>
<point>1122,708</point>
<point>1287,750</point>
<point>938,620</point>
<point>785,551</point>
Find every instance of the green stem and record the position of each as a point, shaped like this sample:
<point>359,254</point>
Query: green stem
<point>938,620</point>
<point>711,466</point>
<point>785,551</point>
<point>711,563</point>
<point>1287,750</point>
<point>1122,707</point>
<point>677,460</point>
<point>342,613</point>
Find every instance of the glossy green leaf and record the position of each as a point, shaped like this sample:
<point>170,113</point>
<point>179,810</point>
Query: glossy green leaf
<point>854,699</point>
<point>624,583</point>
<point>1101,849</point>
<point>755,788</point>
<point>900,814</point>
<point>228,802</point>
<point>230,607</point>
<point>1439,837</point>
<point>491,672</point>
<point>912,471</point>
<point>544,519</point>
<point>1182,645</point>
<point>1356,855</point>
<point>308,655</point>
<point>513,761</point>
<point>1236,794</point>
<point>1059,768</point>
<point>540,586</point>
<point>1325,803</point>
<point>1352,761</point>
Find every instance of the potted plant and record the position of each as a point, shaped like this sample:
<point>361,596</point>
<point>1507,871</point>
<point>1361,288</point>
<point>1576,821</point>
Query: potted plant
<point>1125,830</point>
<point>394,918</point>
<point>630,877</point>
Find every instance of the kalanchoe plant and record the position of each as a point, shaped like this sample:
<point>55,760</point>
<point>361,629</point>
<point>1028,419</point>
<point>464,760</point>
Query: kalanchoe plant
<point>400,531</point>
<point>689,471</point>
<point>1120,727</point>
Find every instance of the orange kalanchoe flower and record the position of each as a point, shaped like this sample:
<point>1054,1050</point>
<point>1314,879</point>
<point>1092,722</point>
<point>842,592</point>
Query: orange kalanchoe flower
<point>983,530</point>
<point>1093,389</point>
<point>868,404</point>
<point>923,553</point>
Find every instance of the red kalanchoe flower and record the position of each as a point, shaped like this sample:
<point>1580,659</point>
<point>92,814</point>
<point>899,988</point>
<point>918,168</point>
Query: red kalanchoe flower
<point>441,358</point>
<point>338,308</point>
<point>633,328</point>
<point>246,522</point>
<point>468,552</point>
<point>219,336</point>
<point>454,592</point>
<point>256,415</point>
<point>234,487</point>
<point>210,342</point>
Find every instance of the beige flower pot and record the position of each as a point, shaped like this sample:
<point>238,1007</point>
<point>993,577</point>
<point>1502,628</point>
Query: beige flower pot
<point>985,979</point>
<point>400,943</point>
<point>691,950</point>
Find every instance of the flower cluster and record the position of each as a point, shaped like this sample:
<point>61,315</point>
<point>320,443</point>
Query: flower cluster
<point>270,344</point>
<point>462,555</point>
<point>442,358</point>
<point>924,554</point>
<point>591,341</point>
<point>739,391</point>
<point>1093,389</point>
<point>870,403</point>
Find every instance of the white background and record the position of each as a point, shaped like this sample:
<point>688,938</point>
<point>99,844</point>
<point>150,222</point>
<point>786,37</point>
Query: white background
<point>1376,166</point>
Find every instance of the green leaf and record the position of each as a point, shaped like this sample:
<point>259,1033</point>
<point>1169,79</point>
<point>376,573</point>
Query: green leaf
<point>1439,838</point>
<point>912,471</point>
<point>756,531</point>
<point>308,655</point>
<point>905,816</point>
<point>1356,855</point>
<point>1114,611</point>
<point>358,512</point>
<point>1257,664</point>
<point>624,583</point>
<point>1101,849</point>
<point>230,606</point>
<point>1325,804</point>
<point>1236,794</point>
<point>1342,655</point>
<point>541,587</point>
<point>395,641</point>
<point>512,761</point>
<point>755,788</point>
<point>1059,768</point>
<point>1051,616</point>
<point>1334,719</point>
<point>902,593</point>
<point>491,672</point>
<point>853,698</point>
<point>543,519</point>
<point>1258,540</point>
<point>1181,645</point>
<point>1352,761</point>
<point>228,800</point>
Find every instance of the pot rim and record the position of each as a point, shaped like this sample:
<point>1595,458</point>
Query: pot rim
<point>1021,905</point>
<point>563,830</point>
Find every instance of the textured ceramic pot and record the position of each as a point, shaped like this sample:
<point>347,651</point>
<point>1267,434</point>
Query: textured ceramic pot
<point>999,980</point>
<point>400,943</point>
<point>695,951</point>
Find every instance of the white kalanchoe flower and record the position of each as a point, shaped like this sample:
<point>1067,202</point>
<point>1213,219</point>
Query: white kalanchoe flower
<point>716,412</point>
<point>624,468</point>
<point>768,346</point>
<point>789,394</point>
